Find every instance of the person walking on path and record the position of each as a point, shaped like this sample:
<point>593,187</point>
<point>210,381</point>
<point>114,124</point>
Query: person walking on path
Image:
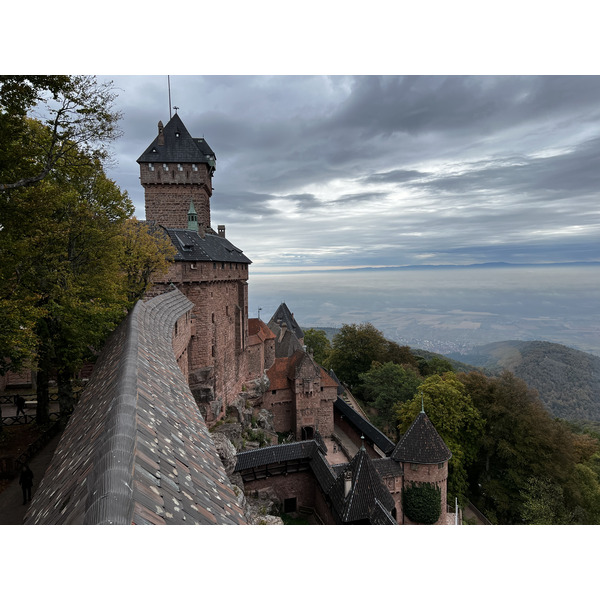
<point>20,402</point>
<point>26,482</point>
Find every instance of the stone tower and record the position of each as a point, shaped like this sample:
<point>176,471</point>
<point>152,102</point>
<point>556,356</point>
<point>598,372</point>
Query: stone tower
<point>176,170</point>
<point>424,457</point>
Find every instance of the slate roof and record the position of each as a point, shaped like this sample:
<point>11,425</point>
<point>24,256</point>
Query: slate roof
<point>191,246</point>
<point>275,454</point>
<point>386,467</point>
<point>368,499</point>
<point>370,432</point>
<point>288,344</point>
<point>182,148</point>
<point>366,492</point>
<point>136,449</point>
<point>310,450</point>
<point>421,444</point>
<point>284,315</point>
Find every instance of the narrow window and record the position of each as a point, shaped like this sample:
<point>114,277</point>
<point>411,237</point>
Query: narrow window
<point>150,166</point>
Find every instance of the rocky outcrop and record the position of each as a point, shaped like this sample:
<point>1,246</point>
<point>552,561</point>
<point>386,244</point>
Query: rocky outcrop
<point>264,508</point>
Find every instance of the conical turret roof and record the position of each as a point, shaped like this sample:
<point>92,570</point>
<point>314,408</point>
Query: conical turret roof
<point>421,444</point>
<point>176,145</point>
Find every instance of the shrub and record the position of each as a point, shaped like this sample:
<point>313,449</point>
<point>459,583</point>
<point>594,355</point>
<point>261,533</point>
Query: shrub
<point>422,503</point>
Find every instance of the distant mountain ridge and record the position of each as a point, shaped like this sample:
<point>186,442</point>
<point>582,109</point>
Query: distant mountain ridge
<point>567,380</point>
<point>487,265</point>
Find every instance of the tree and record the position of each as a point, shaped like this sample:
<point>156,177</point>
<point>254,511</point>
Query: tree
<point>146,252</point>
<point>317,341</point>
<point>456,419</point>
<point>355,347</point>
<point>79,118</point>
<point>520,441</point>
<point>387,386</point>
<point>76,264</point>
<point>543,502</point>
<point>422,503</point>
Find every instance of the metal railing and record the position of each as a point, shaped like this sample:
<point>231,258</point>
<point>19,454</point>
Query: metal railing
<point>26,419</point>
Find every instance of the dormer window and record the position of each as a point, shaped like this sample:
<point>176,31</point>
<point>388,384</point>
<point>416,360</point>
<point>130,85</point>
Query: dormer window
<point>154,150</point>
<point>150,167</point>
<point>177,134</point>
<point>165,167</point>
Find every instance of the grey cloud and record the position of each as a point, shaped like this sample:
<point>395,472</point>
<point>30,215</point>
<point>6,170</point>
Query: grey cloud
<point>395,176</point>
<point>275,135</point>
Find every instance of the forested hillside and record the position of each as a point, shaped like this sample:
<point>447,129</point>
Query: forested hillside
<point>567,380</point>
<point>510,457</point>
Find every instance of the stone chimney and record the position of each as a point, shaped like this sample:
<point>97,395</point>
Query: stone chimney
<point>221,230</point>
<point>161,135</point>
<point>347,483</point>
<point>201,230</point>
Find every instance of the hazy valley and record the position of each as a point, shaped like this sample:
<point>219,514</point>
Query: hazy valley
<point>446,310</point>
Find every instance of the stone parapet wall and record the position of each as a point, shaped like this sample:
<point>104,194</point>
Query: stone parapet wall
<point>136,449</point>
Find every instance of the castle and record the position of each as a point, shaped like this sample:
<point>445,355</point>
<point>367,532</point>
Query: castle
<point>336,466</point>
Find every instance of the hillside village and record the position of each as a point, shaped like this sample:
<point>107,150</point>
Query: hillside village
<point>284,434</point>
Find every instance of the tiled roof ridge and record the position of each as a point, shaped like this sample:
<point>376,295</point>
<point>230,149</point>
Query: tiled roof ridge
<point>112,473</point>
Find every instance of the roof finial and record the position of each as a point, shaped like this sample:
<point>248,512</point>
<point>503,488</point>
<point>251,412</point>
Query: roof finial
<point>422,404</point>
<point>176,108</point>
<point>362,437</point>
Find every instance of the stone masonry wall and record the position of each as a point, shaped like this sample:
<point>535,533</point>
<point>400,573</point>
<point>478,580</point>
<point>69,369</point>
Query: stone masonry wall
<point>294,485</point>
<point>168,193</point>
<point>219,326</point>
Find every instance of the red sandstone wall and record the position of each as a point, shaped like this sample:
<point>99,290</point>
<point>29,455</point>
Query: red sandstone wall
<point>17,379</point>
<point>219,324</point>
<point>168,193</point>
<point>182,334</point>
<point>256,360</point>
<point>281,405</point>
<point>294,485</point>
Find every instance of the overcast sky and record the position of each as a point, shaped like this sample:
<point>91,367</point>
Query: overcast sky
<point>368,170</point>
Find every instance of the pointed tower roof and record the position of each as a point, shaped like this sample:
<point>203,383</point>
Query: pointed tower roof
<point>174,144</point>
<point>367,491</point>
<point>421,444</point>
<point>284,315</point>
